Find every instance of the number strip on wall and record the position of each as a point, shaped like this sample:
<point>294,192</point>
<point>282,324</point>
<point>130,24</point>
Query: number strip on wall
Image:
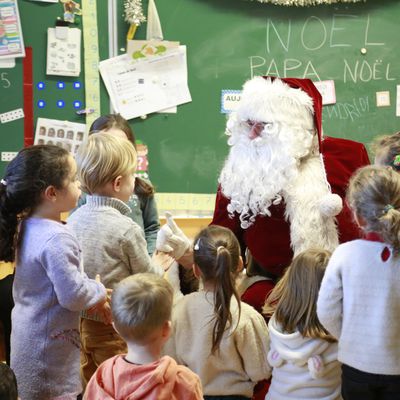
<point>91,56</point>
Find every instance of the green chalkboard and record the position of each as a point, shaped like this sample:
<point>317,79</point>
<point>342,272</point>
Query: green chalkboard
<point>228,42</point>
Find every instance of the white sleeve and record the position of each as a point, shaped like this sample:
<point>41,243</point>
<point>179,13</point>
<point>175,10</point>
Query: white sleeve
<point>252,342</point>
<point>330,298</point>
<point>135,249</point>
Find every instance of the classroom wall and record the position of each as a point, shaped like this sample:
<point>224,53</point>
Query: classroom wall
<point>228,42</point>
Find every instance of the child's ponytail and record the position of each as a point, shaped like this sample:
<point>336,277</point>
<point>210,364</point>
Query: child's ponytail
<point>224,290</point>
<point>8,225</point>
<point>216,253</point>
<point>390,230</point>
<point>27,176</point>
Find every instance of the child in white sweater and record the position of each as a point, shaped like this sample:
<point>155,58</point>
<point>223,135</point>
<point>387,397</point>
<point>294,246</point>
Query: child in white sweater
<point>303,355</point>
<point>359,300</point>
<point>221,339</point>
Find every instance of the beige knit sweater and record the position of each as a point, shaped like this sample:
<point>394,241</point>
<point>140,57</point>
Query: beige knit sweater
<point>242,360</point>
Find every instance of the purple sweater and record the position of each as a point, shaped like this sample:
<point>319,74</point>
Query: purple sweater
<point>49,292</point>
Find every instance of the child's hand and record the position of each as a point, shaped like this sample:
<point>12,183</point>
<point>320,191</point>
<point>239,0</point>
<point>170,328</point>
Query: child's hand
<point>164,260</point>
<point>103,308</point>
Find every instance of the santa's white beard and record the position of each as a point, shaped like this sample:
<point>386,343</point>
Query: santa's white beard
<point>257,171</point>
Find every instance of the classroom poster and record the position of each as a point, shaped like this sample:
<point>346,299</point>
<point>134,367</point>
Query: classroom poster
<point>142,86</point>
<point>63,51</point>
<point>65,134</point>
<point>11,40</point>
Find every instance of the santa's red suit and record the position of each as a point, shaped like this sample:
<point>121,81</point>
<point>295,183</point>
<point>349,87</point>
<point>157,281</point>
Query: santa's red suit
<point>268,237</point>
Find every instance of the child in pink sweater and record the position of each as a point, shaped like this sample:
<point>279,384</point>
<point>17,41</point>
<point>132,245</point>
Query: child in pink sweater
<point>141,306</point>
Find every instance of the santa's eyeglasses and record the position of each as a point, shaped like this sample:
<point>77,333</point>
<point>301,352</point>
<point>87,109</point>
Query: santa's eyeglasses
<point>258,125</point>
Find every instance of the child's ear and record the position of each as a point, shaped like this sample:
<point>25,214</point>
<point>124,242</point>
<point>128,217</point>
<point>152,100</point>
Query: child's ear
<point>360,220</point>
<point>196,271</point>
<point>50,193</point>
<point>167,329</point>
<point>240,265</point>
<point>116,183</point>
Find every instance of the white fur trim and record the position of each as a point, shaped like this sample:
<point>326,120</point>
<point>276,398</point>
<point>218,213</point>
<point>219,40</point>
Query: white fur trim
<point>309,227</point>
<point>331,205</point>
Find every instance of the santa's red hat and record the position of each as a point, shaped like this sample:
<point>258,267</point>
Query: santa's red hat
<point>307,86</point>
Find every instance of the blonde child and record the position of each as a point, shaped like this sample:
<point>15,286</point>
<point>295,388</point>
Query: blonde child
<point>221,339</point>
<point>49,287</point>
<point>303,355</point>
<point>141,307</point>
<point>359,298</point>
<point>142,202</point>
<point>113,245</point>
<point>387,151</point>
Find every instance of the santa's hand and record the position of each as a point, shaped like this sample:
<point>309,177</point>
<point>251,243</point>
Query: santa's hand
<point>171,239</point>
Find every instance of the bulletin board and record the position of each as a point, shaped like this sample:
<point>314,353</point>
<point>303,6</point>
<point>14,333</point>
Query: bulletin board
<point>228,42</point>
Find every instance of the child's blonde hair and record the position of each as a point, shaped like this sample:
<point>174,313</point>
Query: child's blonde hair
<point>374,196</point>
<point>102,158</point>
<point>293,301</point>
<point>387,150</point>
<point>140,304</point>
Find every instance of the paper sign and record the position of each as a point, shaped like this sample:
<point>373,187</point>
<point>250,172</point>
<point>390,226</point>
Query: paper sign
<point>327,90</point>
<point>230,100</point>
<point>68,135</point>
<point>383,99</point>
<point>63,51</point>
<point>398,101</point>
<point>138,88</point>
<point>11,41</point>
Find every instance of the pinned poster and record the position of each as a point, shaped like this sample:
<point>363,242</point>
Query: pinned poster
<point>65,134</point>
<point>152,84</point>
<point>63,51</point>
<point>11,40</point>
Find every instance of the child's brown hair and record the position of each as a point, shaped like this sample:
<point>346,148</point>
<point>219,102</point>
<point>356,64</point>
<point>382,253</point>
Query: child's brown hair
<point>216,252</point>
<point>374,197</point>
<point>387,150</point>
<point>293,301</point>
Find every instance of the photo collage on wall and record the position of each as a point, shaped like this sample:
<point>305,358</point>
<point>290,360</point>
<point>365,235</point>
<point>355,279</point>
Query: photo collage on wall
<point>65,134</point>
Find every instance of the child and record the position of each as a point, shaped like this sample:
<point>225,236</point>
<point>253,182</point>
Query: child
<point>221,339</point>
<point>49,288</point>
<point>387,151</point>
<point>8,383</point>
<point>255,283</point>
<point>303,355</point>
<point>141,306</point>
<point>360,293</point>
<point>142,202</point>
<point>113,245</point>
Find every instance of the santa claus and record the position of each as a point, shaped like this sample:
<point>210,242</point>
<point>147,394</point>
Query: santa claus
<point>281,187</point>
